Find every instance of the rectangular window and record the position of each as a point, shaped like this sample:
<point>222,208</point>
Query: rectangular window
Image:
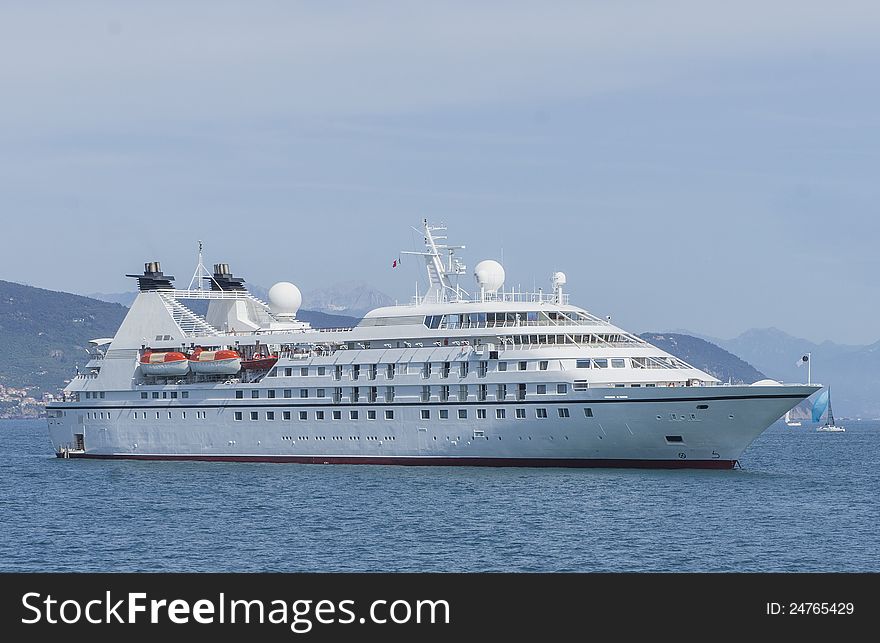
<point>520,414</point>
<point>285,415</point>
<point>674,438</point>
<point>618,362</point>
<point>481,414</point>
<point>588,412</point>
<point>482,392</point>
<point>462,414</point>
<point>541,389</point>
<point>389,371</point>
<point>355,396</point>
<point>320,393</point>
<point>501,392</point>
<point>563,413</point>
<point>288,372</point>
<point>523,365</point>
<point>389,414</point>
<point>102,395</point>
<point>255,394</point>
<point>502,366</point>
<point>164,395</point>
<point>600,363</point>
<point>355,371</point>
<point>520,391</point>
<point>271,393</point>
<point>322,370</point>
<point>337,373</point>
<point>337,415</point>
<point>426,394</point>
<point>352,415</point>
<point>270,415</point>
<point>255,415</point>
<point>373,394</point>
<point>304,393</point>
<point>303,415</point>
<point>583,363</point>
<point>319,415</point>
<point>173,395</point>
<point>144,396</point>
<point>444,369</point>
<point>237,416</point>
<point>500,414</point>
<point>462,393</point>
<point>444,414</point>
<point>389,394</point>
<point>155,395</point>
<point>185,394</point>
<point>426,370</point>
<point>463,368</point>
<point>288,393</point>
<point>371,414</point>
<point>541,413</point>
<point>304,371</point>
<point>444,393</point>
<point>562,389</point>
<point>482,369</point>
<point>426,414</point>
<point>542,365</point>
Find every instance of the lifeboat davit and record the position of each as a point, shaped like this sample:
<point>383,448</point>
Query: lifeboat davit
<point>223,362</point>
<point>164,363</point>
<point>259,362</point>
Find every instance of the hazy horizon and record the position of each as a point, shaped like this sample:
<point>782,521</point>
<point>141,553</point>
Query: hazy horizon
<point>686,164</point>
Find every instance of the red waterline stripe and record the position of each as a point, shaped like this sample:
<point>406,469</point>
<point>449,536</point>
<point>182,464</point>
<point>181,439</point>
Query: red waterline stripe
<point>430,461</point>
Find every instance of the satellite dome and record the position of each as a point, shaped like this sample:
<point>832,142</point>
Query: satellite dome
<point>284,298</point>
<point>489,275</point>
<point>559,279</point>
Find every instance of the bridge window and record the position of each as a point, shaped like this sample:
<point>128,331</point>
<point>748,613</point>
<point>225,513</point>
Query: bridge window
<point>618,362</point>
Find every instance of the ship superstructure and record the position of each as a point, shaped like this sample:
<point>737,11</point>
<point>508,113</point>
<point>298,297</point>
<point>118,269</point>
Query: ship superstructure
<point>497,377</point>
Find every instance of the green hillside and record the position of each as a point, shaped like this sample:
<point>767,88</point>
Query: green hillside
<point>44,334</point>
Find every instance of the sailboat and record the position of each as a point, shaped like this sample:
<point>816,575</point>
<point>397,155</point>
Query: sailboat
<point>789,421</point>
<point>824,402</point>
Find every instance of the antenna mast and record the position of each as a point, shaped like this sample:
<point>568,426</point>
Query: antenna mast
<point>200,273</point>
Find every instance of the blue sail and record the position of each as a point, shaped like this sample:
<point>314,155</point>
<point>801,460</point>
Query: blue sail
<point>820,405</point>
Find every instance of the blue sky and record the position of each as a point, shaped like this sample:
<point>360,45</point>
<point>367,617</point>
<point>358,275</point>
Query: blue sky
<point>702,165</point>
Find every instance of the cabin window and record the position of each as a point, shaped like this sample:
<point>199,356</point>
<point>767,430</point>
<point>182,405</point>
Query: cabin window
<point>618,362</point>
<point>144,396</point>
<point>164,395</point>
<point>583,363</point>
<point>426,414</point>
<point>462,414</point>
<point>501,392</point>
<point>173,395</point>
<point>337,415</point>
<point>502,366</point>
<point>271,393</point>
<point>389,394</point>
<point>463,368</point>
<point>588,412</point>
<point>541,413</point>
<point>500,414</point>
<point>255,394</point>
<point>355,371</point>
<point>426,393</point>
<point>288,372</point>
<point>520,391</point>
<point>520,414</point>
<point>389,414</point>
<point>389,371</point>
<point>444,393</point>
<point>426,370</point>
<point>303,415</point>
<point>600,362</point>
<point>304,371</point>
<point>304,393</point>
<point>482,392</point>
<point>541,389</point>
<point>563,413</point>
<point>371,415</point>
<point>321,393</point>
<point>352,415</point>
<point>270,415</point>
<point>322,370</point>
<point>481,414</point>
<point>702,407</point>
<point>184,395</point>
<point>255,415</point>
<point>237,416</point>
<point>463,393</point>
<point>444,414</point>
<point>542,365</point>
<point>319,415</point>
<point>288,393</point>
<point>562,389</point>
<point>155,395</point>
<point>523,365</point>
<point>444,369</point>
<point>285,415</point>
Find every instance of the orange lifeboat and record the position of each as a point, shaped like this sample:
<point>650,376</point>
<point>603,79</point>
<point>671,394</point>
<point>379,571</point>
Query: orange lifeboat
<point>259,362</point>
<point>222,362</point>
<point>164,363</point>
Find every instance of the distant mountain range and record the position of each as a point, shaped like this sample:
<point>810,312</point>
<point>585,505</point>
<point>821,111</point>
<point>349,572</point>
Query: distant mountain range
<point>706,356</point>
<point>852,371</point>
<point>352,299</point>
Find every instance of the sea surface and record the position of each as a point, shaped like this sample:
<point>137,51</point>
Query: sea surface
<point>803,501</point>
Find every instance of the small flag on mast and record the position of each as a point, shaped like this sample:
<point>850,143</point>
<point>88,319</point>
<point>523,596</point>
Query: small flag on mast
<point>803,360</point>
<point>395,263</point>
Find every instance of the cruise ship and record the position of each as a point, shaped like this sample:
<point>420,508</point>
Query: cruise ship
<point>483,376</point>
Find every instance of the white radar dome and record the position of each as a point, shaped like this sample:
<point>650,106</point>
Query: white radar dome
<point>489,275</point>
<point>559,279</point>
<point>284,298</point>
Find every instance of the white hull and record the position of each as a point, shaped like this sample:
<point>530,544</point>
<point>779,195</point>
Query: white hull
<point>165,369</point>
<point>654,428</point>
<point>216,367</point>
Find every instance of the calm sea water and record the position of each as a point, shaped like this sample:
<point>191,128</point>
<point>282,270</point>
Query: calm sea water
<point>804,501</point>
